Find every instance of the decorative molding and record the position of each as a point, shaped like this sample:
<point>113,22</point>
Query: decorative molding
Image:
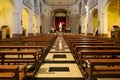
<point>28,3</point>
<point>36,10</point>
<point>93,3</point>
<point>60,2</point>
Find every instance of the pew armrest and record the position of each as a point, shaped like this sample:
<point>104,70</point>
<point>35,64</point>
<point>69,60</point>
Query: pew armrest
<point>23,67</point>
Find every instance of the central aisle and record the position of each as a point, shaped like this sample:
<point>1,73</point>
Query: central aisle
<point>59,64</point>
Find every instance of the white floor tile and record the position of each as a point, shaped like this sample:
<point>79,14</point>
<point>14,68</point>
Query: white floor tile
<point>69,57</point>
<point>73,73</point>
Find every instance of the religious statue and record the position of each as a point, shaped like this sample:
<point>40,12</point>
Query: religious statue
<point>60,27</point>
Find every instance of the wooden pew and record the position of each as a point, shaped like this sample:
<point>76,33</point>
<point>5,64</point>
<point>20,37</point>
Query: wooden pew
<point>12,72</point>
<point>117,43</point>
<point>103,68</point>
<point>91,44</point>
<point>40,49</point>
<point>78,49</point>
<point>84,41</point>
<point>98,54</point>
<point>19,48</point>
<point>6,41</point>
<point>82,47</point>
<point>29,40</point>
<point>71,38</point>
<point>41,40</point>
<point>22,57</point>
<point>75,42</point>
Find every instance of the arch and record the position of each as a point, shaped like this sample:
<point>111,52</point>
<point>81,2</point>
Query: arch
<point>60,17</point>
<point>35,24</point>
<point>13,3</point>
<point>95,19</point>
<point>115,31</point>
<point>6,15</point>
<point>6,10</point>
<point>111,15</point>
<point>5,32</point>
<point>25,21</point>
<point>60,11</point>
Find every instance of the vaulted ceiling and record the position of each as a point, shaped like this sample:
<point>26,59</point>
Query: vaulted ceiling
<point>60,2</point>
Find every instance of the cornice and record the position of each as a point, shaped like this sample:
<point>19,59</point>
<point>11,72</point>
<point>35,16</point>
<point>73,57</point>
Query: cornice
<point>68,4</point>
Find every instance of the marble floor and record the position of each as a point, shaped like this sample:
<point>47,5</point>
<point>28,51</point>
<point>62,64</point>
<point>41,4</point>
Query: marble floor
<point>59,64</point>
<point>59,57</point>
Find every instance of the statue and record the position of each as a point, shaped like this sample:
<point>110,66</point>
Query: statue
<point>60,27</point>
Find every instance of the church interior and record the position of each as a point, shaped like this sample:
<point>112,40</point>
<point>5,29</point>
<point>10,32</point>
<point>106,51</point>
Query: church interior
<point>59,39</point>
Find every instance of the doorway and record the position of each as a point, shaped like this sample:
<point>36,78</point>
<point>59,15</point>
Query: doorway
<point>5,32</point>
<point>115,33</point>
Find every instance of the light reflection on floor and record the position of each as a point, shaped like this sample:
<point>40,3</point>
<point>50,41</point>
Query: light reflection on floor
<point>60,43</point>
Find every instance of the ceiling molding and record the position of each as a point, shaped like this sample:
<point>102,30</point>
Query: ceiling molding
<point>60,2</point>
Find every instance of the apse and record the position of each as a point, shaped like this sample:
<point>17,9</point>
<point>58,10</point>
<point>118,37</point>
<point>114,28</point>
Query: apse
<point>61,20</point>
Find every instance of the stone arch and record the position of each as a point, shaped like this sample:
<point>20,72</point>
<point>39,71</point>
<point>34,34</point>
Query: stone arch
<point>25,21</point>
<point>95,19</point>
<point>5,32</point>
<point>60,16</point>
<point>115,31</point>
<point>111,15</point>
<point>13,3</point>
<point>35,24</point>
<point>7,8</point>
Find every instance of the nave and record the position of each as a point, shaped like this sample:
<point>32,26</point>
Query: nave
<point>59,63</point>
<point>60,56</point>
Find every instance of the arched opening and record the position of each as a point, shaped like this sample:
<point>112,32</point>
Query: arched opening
<point>6,17</point>
<point>5,32</point>
<point>60,20</point>
<point>25,21</point>
<point>35,24</point>
<point>113,15</point>
<point>115,32</point>
<point>95,21</point>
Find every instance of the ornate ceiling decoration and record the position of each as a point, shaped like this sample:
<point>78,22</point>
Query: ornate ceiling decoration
<point>60,2</point>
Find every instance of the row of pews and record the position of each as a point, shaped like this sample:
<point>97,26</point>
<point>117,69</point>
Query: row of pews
<point>37,40</point>
<point>96,56</point>
<point>21,61</point>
